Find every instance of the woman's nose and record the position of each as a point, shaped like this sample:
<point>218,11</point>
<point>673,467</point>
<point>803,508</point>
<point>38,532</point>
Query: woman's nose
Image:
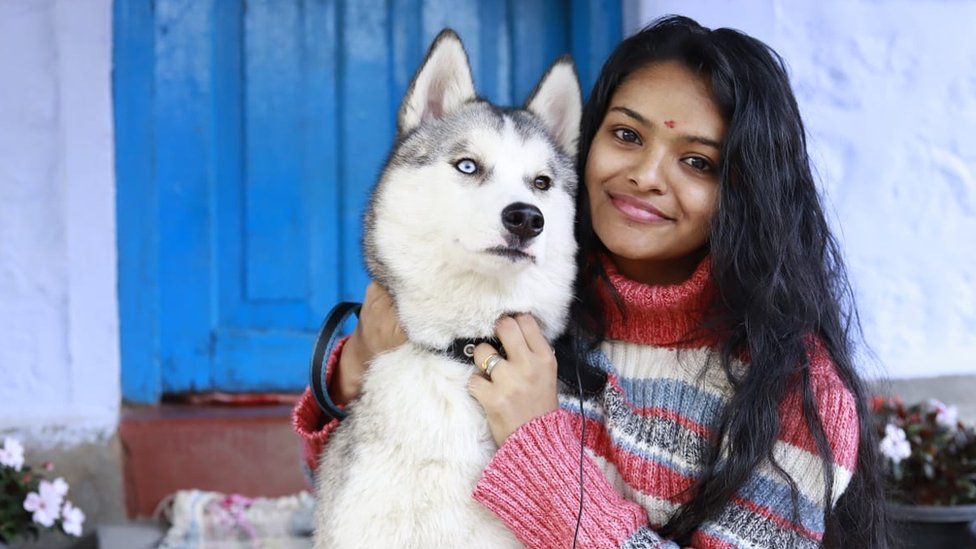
<point>649,175</point>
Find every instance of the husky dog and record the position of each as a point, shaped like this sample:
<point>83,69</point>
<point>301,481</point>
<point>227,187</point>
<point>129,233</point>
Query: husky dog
<point>472,219</point>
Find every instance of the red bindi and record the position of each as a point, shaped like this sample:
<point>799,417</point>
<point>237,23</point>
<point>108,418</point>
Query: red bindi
<point>669,123</point>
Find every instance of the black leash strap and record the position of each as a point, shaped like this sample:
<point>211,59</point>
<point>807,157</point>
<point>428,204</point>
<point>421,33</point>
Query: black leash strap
<point>326,341</point>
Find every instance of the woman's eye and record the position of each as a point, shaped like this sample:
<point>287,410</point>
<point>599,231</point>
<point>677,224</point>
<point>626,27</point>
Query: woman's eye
<point>627,135</point>
<point>543,183</point>
<point>466,166</point>
<point>698,163</point>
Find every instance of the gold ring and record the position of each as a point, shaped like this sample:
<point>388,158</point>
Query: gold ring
<point>484,363</point>
<point>489,364</point>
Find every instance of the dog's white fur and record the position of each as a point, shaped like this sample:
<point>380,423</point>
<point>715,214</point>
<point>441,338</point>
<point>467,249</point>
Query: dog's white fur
<point>400,470</point>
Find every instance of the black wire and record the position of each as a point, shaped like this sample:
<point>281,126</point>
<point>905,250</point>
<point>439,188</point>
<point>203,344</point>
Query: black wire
<point>579,384</point>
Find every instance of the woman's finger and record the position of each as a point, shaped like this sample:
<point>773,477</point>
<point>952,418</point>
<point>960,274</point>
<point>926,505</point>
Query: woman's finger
<point>372,295</point>
<point>386,308</point>
<point>533,334</point>
<point>481,354</point>
<point>510,335</point>
<point>480,388</point>
<point>378,324</point>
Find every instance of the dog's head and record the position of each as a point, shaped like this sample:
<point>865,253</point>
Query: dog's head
<point>473,214</point>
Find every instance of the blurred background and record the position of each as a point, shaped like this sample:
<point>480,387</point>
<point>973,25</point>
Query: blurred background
<point>181,184</point>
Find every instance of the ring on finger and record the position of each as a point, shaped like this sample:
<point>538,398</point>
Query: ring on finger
<point>484,363</point>
<point>489,364</point>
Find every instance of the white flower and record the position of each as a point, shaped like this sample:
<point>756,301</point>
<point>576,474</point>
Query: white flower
<point>46,502</point>
<point>12,454</point>
<point>948,416</point>
<point>895,444</point>
<point>59,486</point>
<point>72,519</point>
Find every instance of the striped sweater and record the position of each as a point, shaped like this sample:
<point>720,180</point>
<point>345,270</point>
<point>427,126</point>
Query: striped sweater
<point>647,433</point>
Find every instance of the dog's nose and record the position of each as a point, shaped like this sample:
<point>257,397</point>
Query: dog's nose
<point>523,220</point>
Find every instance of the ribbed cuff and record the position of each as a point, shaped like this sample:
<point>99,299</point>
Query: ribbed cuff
<point>309,421</point>
<point>532,485</point>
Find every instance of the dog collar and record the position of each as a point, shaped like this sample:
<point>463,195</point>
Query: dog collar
<point>462,350</point>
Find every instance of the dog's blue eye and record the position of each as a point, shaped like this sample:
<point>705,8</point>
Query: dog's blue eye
<point>466,166</point>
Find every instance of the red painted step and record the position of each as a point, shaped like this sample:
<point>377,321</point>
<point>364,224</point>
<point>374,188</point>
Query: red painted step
<point>249,450</point>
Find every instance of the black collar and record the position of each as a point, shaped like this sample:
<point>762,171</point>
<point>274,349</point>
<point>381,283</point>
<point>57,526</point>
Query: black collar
<point>572,370</point>
<point>462,350</point>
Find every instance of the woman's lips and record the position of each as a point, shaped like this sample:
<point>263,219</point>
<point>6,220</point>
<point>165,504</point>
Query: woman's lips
<point>636,209</point>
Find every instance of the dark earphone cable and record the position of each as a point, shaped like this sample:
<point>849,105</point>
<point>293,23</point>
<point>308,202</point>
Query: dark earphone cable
<point>579,385</point>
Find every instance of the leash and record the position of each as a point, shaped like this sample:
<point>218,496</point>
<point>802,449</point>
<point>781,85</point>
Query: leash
<point>324,343</point>
<point>461,350</point>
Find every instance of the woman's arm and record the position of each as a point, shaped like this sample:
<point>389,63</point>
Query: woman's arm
<point>307,418</point>
<point>377,331</point>
<point>532,482</point>
<point>532,485</point>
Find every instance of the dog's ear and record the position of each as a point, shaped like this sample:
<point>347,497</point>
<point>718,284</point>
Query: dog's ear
<point>558,102</point>
<point>442,84</point>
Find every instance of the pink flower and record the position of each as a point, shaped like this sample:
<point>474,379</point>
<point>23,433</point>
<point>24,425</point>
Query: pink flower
<point>12,454</point>
<point>45,504</point>
<point>232,512</point>
<point>72,519</point>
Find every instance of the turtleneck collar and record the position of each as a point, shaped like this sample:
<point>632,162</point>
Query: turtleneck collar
<point>663,315</point>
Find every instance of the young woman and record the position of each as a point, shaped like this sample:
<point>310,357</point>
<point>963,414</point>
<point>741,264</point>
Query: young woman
<point>717,313</point>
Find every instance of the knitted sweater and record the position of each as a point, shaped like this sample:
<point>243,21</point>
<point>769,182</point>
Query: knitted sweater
<point>647,433</point>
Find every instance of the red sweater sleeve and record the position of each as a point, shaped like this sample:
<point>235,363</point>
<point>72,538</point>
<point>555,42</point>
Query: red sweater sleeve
<point>532,485</point>
<point>308,420</point>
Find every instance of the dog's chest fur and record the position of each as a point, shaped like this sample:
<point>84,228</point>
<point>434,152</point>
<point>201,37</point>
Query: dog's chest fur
<point>400,470</point>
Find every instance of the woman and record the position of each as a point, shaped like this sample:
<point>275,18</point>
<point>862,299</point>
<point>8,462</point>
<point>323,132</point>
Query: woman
<point>717,310</point>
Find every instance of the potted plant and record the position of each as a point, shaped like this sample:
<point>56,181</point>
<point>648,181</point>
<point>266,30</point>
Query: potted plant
<point>930,465</point>
<point>29,503</point>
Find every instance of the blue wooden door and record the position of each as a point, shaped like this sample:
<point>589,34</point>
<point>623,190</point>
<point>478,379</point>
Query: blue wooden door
<point>248,135</point>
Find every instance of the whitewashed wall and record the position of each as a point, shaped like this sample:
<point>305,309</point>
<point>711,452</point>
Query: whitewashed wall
<point>59,359</point>
<point>888,93</point>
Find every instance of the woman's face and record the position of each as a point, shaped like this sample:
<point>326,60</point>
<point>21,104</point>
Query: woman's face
<point>652,172</point>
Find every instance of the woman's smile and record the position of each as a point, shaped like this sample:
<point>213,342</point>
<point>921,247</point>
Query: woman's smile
<point>636,209</point>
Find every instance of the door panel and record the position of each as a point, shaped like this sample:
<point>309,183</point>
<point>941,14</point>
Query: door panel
<point>248,136</point>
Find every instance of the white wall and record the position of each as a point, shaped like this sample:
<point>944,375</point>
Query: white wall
<point>59,358</point>
<point>888,93</point>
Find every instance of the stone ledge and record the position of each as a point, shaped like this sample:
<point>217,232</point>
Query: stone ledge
<point>958,390</point>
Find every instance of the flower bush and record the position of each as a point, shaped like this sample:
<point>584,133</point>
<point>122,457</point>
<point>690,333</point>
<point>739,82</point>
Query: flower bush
<point>930,456</point>
<point>29,503</point>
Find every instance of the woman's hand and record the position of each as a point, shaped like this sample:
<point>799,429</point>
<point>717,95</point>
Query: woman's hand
<point>521,388</point>
<point>377,331</point>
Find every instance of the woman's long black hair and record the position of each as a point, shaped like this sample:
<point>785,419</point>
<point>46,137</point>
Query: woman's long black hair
<point>778,271</point>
